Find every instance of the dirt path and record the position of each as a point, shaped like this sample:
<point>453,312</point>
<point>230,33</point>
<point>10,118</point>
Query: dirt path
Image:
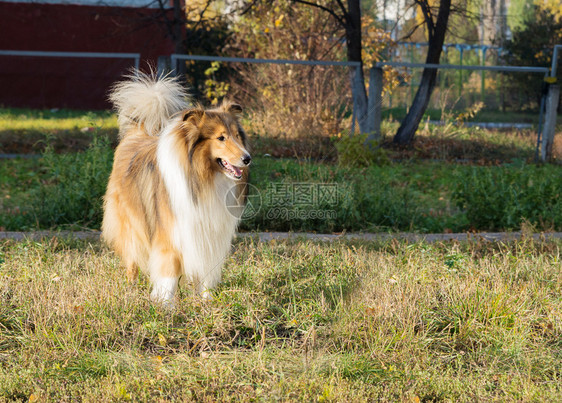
<point>268,236</point>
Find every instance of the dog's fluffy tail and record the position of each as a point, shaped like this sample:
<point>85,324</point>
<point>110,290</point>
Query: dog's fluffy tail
<point>147,101</point>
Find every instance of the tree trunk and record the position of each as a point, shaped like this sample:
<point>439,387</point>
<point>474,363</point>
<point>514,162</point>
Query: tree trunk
<point>357,79</point>
<point>436,35</point>
<point>177,37</point>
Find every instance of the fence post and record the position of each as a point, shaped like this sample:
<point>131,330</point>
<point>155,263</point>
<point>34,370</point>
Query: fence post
<point>483,76</point>
<point>375,103</point>
<point>552,97</point>
<point>163,66</point>
<point>356,115</point>
<point>461,50</point>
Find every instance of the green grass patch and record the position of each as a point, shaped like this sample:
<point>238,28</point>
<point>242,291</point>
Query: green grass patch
<point>65,191</point>
<point>55,190</point>
<point>295,320</point>
<point>501,197</point>
<point>36,119</point>
<point>30,131</point>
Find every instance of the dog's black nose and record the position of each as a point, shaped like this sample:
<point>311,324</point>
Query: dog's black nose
<point>246,159</point>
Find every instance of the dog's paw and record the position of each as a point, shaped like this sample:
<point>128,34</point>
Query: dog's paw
<point>167,303</point>
<point>206,295</point>
<point>163,291</point>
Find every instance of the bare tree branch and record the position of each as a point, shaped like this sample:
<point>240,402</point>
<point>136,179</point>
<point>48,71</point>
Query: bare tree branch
<point>249,7</point>
<point>200,20</point>
<point>343,9</point>
<point>169,23</point>
<point>339,19</point>
<point>397,21</point>
<point>428,17</point>
<point>412,31</point>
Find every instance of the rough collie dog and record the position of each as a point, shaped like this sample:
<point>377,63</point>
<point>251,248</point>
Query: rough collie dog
<point>177,173</point>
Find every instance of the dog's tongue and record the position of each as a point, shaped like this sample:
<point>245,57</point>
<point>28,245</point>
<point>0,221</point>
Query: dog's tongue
<point>236,170</point>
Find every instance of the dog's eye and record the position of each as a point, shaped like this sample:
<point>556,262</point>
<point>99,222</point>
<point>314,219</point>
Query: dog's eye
<point>221,138</point>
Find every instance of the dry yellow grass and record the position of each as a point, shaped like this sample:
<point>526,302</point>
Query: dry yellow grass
<point>292,321</point>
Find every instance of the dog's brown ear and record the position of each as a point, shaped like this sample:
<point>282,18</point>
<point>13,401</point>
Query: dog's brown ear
<point>195,116</point>
<point>231,107</point>
<point>235,108</point>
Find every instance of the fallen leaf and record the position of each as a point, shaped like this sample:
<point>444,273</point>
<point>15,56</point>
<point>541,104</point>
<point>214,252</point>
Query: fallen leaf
<point>162,340</point>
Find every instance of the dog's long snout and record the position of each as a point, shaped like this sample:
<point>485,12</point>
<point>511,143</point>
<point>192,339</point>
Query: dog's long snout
<point>246,159</point>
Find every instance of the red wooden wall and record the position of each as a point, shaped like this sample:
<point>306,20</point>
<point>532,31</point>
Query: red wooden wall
<point>39,82</point>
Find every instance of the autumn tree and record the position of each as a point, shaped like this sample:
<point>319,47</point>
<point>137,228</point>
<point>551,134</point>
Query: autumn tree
<point>436,20</point>
<point>195,27</point>
<point>289,100</point>
<point>349,18</point>
<point>532,45</point>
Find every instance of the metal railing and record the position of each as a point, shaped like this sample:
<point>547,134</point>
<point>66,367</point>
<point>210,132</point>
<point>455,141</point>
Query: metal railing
<point>518,69</point>
<point>175,57</point>
<point>95,55</point>
<point>554,60</point>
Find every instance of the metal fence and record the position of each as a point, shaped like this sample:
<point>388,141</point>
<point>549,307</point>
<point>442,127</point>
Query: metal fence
<point>80,55</point>
<point>336,78</point>
<point>450,77</point>
<point>548,101</point>
<point>545,124</point>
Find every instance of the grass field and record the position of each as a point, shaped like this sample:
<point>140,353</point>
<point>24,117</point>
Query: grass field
<point>29,131</point>
<point>292,321</point>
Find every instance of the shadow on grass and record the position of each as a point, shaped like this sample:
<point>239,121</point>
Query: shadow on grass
<point>475,151</point>
<point>33,141</point>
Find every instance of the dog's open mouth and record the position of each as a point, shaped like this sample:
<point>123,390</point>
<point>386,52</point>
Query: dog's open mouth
<point>234,171</point>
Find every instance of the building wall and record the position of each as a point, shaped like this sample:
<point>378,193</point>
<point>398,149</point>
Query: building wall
<point>67,82</point>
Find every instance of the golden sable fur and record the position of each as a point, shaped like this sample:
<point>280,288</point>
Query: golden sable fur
<point>177,171</point>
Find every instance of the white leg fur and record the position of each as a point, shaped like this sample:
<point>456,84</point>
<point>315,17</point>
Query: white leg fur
<point>163,290</point>
<point>163,286</point>
<point>205,293</point>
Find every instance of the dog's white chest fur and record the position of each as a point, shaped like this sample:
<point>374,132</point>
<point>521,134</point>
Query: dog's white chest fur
<point>203,228</point>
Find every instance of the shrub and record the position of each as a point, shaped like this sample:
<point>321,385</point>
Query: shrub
<point>355,151</point>
<point>290,101</point>
<point>505,197</point>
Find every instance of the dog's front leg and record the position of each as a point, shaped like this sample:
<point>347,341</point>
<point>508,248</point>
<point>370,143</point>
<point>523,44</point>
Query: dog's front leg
<point>164,275</point>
